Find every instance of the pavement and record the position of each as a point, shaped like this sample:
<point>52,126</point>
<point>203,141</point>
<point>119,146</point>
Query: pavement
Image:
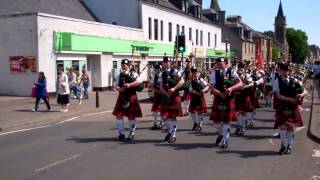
<point>314,128</point>
<point>16,112</point>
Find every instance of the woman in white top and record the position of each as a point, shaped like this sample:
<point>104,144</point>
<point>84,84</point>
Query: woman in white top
<point>63,90</point>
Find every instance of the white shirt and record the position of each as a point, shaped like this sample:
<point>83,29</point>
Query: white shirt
<point>62,84</point>
<point>213,81</point>
<point>175,73</point>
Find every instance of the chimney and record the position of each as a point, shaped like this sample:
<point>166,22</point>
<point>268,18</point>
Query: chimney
<point>221,17</point>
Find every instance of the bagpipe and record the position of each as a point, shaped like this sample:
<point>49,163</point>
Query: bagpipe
<point>128,78</point>
<point>197,86</point>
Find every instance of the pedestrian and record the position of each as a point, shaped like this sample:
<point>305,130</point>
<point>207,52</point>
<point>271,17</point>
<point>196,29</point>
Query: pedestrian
<point>72,79</point>
<point>171,82</point>
<point>198,87</point>
<point>128,83</point>
<point>78,87</point>
<point>85,80</point>
<point>62,86</point>
<point>224,82</point>
<point>41,86</point>
<point>290,93</point>
<point>186,98</point>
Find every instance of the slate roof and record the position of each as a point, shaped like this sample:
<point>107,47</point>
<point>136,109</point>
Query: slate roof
<point>68,8</point>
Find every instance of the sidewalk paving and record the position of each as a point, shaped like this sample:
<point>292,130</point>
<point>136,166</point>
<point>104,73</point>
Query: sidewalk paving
<point>16,112</point>
<point>314,127</point>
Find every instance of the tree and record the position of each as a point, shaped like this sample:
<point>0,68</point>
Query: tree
<point>298,44</point>
<point>275,51</point>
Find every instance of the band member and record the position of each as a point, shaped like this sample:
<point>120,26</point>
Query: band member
<point>127,83</point>
<point>275,75</point>
<point>224,83</point>
<point>268,89</point>
<point>171,81</point>
<point>198,106</point>
<point>157,98</point>
<point>186,95</point>
<point>244,104</point>
<point>290,93</point>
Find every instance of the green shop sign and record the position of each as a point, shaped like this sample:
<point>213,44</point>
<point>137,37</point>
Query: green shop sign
<point>220,53</point>
<point>65,41</point>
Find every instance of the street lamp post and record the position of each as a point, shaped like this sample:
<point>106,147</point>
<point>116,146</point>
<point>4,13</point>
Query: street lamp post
<point>226,41</point>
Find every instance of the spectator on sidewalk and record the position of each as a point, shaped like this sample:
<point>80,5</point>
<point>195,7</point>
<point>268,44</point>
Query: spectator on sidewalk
<point>85,79</point>
<point>72,79</point>
<point>78,87</point>
<point>41,92</point>
<point>63,90</point>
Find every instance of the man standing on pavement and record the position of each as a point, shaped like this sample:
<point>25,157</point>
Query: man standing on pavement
<point>127,103</point>
<point>63,90</point>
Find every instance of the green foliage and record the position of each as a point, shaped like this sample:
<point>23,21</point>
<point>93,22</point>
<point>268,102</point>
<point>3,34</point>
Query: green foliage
<point>298,43</point>
<point>275,51</point>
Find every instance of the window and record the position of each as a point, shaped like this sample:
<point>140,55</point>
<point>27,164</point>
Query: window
<point>178,29</point>
<point>201,38</point>
<point>182,30</point>
<point>161,30</point>
<point>209,39</point>
<point>170,32</point>
<point>190,34</point>
<point>156,31</point>
<point>215,40</point>
<point>197,37</point>
<point>150,29</point>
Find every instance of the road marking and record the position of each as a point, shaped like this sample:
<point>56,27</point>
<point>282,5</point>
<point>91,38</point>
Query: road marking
<point>316,153</point>
<point>46,168</point>
<point>275,134</point>
<point>58,123</point>
<point>23,130</point>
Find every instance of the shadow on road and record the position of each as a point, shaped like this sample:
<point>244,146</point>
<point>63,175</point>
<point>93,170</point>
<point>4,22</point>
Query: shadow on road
<point>188,146</point>
<point>249,154</point>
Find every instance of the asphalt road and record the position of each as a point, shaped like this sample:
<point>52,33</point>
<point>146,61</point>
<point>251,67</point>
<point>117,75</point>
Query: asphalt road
<point>84,148</point>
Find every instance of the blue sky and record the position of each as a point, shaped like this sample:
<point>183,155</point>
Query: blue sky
<point>260,14</point>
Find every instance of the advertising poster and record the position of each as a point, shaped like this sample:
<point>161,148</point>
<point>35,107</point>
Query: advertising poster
<point>22,64</point>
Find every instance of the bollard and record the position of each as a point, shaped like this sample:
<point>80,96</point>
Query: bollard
<point>97,99</point>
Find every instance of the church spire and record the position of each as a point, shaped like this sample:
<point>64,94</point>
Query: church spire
<point>280,11</point>
<point>215,5</point>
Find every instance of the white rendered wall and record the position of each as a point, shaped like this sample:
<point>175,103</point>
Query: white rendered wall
<point>175,18</point>
<point>17,38</point>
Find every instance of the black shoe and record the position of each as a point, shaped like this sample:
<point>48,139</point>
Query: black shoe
<point>288,150</point>
<point>241,132</point>
<point>155,127</point>
<point>167,137</point>
<point>198,128</point>
<point>130,137</point>
<point>121,137</point>
<point>282,150</point>
<point>161,125</point>
<point>219,139</point>
<point>194,127</point>
<point>225,144</point>
<point>172,139</point>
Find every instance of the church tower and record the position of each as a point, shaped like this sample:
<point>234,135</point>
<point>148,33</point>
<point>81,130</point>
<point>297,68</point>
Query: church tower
<point>281,32</point>
<point>215,5</point>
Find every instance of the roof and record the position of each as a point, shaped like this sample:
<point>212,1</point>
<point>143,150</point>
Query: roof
<point>67,8</point>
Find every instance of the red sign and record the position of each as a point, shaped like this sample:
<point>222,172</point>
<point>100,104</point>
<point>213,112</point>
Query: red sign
<point>22,64</point>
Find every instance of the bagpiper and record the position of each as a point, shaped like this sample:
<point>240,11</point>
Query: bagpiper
<point>224,82</point>
<point>244,103</point>
<point>128,83</point>
<point>197,89</point>
<point>157,98</point>
<point>186,94</point>
<point>171,81</point>
<point>290,93</point>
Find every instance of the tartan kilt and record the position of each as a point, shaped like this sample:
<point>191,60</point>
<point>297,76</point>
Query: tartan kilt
<point>255,100</point>
<point>226,116</point>
<point>198,104</point>
<point>186,95</point>
<point>171,107</point>
<point>156,106</point>
<point>275,101</point>
<point>244,103</point>
<point>132,111</point>
<point>282,119</point>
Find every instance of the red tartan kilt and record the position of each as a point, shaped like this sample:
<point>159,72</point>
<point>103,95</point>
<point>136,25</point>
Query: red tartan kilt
<point>223,116</point>
<point>275,101</point>
<point>186,96</point>
<point>134,109</point>
<point>156,106</point>
<point>244,105</point>
<point>282,119</point>
<point>171,108</point>
<point>198,104</point>
<point>255,100</point>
